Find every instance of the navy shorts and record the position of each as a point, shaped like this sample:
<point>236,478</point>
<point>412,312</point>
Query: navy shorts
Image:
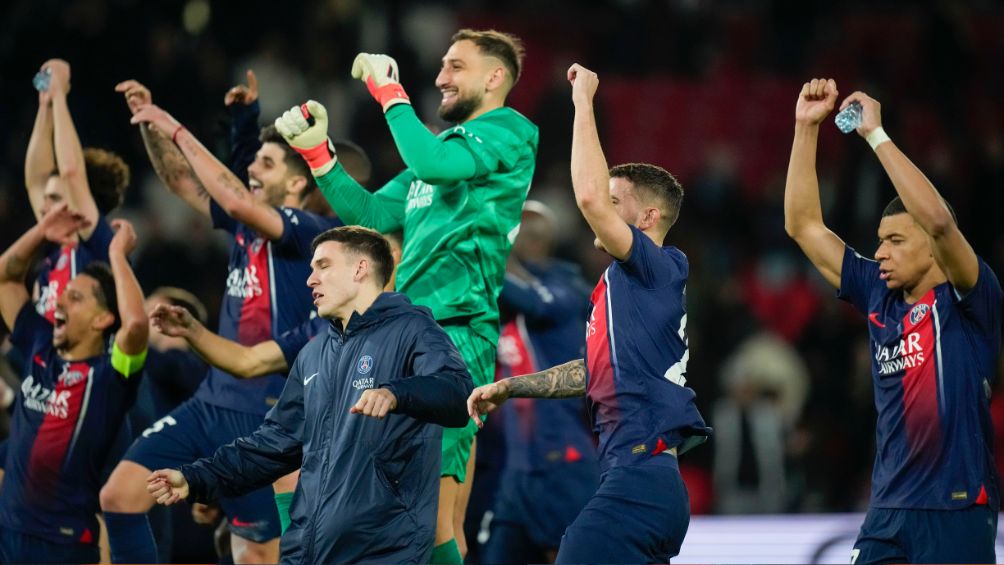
<point>194,430</point>
<point>893,535</point>
<point>541,503</point>
<point>16,547</point>
<point>639,514</point>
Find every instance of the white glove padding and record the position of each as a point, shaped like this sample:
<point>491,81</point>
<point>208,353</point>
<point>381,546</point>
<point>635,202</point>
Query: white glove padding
<point>310,141</point>
<point>382,68</point>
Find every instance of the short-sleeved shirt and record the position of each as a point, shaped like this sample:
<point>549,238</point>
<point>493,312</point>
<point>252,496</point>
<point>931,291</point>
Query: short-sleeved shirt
<point>63,262</point>
<point>637,354</point>
<point>457,237</point>
<point>266,295</point>
<point>933,366</point>
<point>66,417</point>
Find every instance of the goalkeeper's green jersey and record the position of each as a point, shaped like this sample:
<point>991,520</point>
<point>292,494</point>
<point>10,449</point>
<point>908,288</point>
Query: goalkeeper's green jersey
<point>457,233</point>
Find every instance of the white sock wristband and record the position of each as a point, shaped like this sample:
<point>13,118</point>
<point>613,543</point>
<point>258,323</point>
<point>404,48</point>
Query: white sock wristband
<point>877,137</point>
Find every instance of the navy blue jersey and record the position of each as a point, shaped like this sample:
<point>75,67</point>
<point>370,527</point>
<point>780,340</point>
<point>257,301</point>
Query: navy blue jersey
<point>547,331</point>
<point>63,262</point>
<point>933,365</point>
<point>636,357</point>
<point>266,295</point>
<point>66,417</point>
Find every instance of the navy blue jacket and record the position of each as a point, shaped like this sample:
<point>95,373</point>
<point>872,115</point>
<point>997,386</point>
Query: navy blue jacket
<point>368,488</point>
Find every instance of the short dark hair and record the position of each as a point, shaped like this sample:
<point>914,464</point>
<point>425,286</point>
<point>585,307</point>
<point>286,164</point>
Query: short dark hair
<point>107,176</point>
<point>896,206</point>
<point>105,293</point>
<point>293,160</point>
<point>505,47</point>
<point>363,241</point>
<point>654,182</point>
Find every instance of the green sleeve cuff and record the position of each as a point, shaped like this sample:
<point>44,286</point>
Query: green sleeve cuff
<point>127,365</point>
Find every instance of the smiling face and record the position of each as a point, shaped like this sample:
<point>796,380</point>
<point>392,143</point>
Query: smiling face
<point>904,252</point>
<point>269,179</point>
<point>79,315</point>
<point>463,81</point>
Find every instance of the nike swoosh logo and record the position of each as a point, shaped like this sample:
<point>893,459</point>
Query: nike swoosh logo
<point>310,378</point>
<point>873,318</point>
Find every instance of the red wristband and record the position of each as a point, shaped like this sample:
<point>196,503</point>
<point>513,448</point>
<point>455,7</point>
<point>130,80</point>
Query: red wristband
<point>387,93</point>
<point>318,155</point>
<point>174,136</point>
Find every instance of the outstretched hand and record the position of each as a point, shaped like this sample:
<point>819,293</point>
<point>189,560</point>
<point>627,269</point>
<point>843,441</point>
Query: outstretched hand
<point>375,403</point>
<point>125,238</point>
<point>242,94</point>
<point>486,399</point>
<point>136,95</point>
<point>167,486</point>
<point>156,117</point>
<point>816,101</point>
<point>172,321</point>
<point>60,225</point>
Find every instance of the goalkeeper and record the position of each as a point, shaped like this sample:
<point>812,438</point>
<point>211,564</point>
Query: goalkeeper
<point>458,203</point>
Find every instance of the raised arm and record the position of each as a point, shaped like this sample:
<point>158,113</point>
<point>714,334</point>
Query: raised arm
<point>563,381</point>
<point>40,158</point>
<point>952,251</point>
<point>590,174</point>
<point>168,162</point>
<point>133,335</point>
<point>60,225</point>
<point>803,214</point>
<point>220,182</point>
<point>67,148</point>
<point>239,360</point>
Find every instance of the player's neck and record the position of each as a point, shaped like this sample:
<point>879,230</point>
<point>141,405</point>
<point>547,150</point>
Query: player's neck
<point>931,279</point>
<point>358,305</point>
<point>85,349</point>
<point>486,107</point>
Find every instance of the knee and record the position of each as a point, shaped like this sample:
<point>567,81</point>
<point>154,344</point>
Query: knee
<point>120,494</point>
<point>250,552</point>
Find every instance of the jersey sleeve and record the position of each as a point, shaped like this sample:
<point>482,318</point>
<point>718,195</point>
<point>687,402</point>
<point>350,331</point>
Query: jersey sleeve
<point>299,228</point>
<point>983,302</point>
<point>244,143</point>
<point>101,238</point>
<point>382,211</point>
<point>292,341</point>
<point>545,300</point>
<point>29,329</point>
<point>127,365</point>
<point>494,144</point>
<point>222,220</point>
<point>652,266</point>
<point>857,278</point>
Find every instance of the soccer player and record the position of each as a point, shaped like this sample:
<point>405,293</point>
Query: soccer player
<point>265,296</point>
<point>57,169</point>
<point>368,486</point>
<point>458,203</point>
<point>74,397</point>
<point>934,326</point>
<point>550,465</point>
<point>636,358</point>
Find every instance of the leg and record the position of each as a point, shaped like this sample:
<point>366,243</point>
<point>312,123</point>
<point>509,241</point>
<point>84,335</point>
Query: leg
<point>124,503</point>
<point>247,551</point>
<point>463,498</point>
<point>284,489</point>
<point>951,536</point>
<point>878,541</point>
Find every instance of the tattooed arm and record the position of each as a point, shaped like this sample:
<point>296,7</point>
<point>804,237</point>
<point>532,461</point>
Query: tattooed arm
<point>222,185</point>
<point>562,381</point>
<point>174,170</point>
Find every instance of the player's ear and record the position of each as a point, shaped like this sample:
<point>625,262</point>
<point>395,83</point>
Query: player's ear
<point>103,321</point>
<point>650,218</point>
<point>295,185</point>
<point>362,269</point>
<point>496,78</point>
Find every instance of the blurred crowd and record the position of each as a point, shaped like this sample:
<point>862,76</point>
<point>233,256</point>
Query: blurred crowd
<point>706,89</point>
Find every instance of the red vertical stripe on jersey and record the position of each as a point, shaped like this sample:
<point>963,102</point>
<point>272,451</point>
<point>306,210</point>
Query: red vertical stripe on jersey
<point>920,381</point>
<point>59,277</point>
<point>255,323</point>
<point>600,389</point>
<point>517,359</point>
<point>63,408</point>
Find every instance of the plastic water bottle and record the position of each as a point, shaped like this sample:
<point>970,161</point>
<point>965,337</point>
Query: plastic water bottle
<point>41,80</point>
<point>849,119</point>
